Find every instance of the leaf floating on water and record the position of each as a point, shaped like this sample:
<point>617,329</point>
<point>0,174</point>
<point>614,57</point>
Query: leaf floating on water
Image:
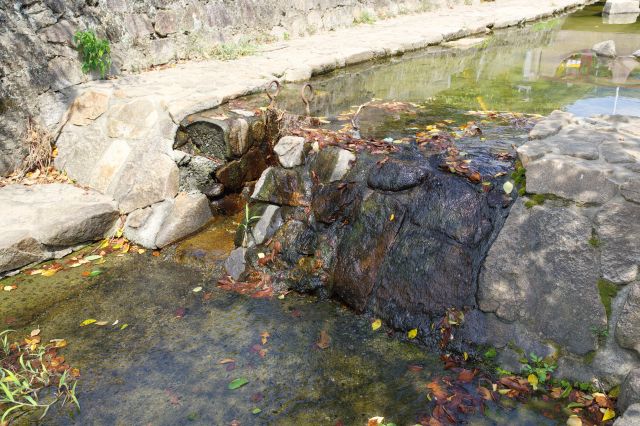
<point>58,343</point>
<point>375,421</point>
<point>264,336</point>
<point>392,217</point>
<point>508,187</point>
<point>324,341</point>
<point>87,322</point>
<point>9,287</point>
<point>49,272</point>
<point>102,323</point>
<point>608,414</point>
<point>197,289</point>
<point>411,334</point>
<point>238,383</point>
<point>226,361</point>
<point>533,381</point>
<point>93,257</point>
<point>123,326</point>
<point>574,421</point>
<point>256,411</point>
<point>376,324</point>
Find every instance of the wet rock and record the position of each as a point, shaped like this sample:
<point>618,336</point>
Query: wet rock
<point>630,390</point>
<point>297,239</point>
<point>363,248</point>
<point>541,267</point>
<point>335,201</point>
<point>332,163</point>
<point>236,173</point>
<point>396,175</point>
<point>572,178</point>
<point>631,416</point>
<point>41,219</point>
<point>618,230</point>
<point>282,187</point>
<point>605,48</point>
<point>189,213</point>
<point>628,326</point>
<point>290,150</point>
<point>235,264</point>
<point>269,222</point>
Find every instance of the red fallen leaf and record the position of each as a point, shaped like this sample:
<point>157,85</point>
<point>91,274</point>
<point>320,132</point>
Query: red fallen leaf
<point>230,366</point>
<point>324,341</point>
<point>180,312</point>
<point>439,393</point>
<point>485,393</point>
<point>207,296</point>
<point>257,397</point>
<point>466,376</point>
<point>264,293</point>
<point>414,368</point>
<point>296,313</point>
<point>339,423</point>
<point>475,177</point>
<point>512,383</point>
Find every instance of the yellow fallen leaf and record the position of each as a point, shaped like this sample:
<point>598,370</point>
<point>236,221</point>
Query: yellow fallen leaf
<point>125,248</point>
<point>123,326</point>
<point>104,244</point>
<point>392,217</point>
<point>507,187</point>
<point>197,289</point>
<point>533,381</point>
<point>466,356</point>
<point>49,272</point>
<point>87,322</point>
<point>141,251</point>
<point>411,334</point>
<point>608,414</point>
<point>58,343</point>
<point>574,421</point>
<point>119,233</point>
<point>7,288</point>
<point>376,324</point>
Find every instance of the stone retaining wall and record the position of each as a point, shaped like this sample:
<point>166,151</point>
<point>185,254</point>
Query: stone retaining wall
<point>38,61</point>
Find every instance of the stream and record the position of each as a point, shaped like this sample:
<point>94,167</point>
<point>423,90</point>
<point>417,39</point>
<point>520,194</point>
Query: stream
<point>186,340</point>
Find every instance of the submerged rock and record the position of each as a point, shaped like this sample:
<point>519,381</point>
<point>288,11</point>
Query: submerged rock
<point>606,48</point>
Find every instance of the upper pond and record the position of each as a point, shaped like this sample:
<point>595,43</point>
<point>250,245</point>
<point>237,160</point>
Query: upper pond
<point>165,367</point>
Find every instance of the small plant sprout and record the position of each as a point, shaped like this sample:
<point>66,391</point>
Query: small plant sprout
<point>246,224</point>
<point>96,52</point>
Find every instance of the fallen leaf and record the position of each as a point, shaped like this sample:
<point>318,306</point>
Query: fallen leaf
<point>102,322</point>
<point>376,324</point>
<point>87,322</point>
<point>465,376</point>
<point>123,326</point>
<point>58,343</point>
<point>608,414</point>
<point>49,272</point>
<point>197,289</point>
<point>375,421</point>
<point>9,287</point>
<point>237,383</point>
<point>93,257</point>
<point>95,273</point>
<point>574,421</point>
<point>392,217</point>
<point>411,334</point>
<point>507,187</point>
<point>414,368</point>
<point>256,411</point>
<point>264,336</point>
<point>226,361</point>
<point>324,341</point>
<point>533,381</point>
<point>156,253</point>
<point>141,251</point>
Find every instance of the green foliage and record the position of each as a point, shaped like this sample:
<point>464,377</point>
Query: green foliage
<point>25,373</point>
<point>608,291</point>
<point>490,353</point>
<point>246,224</point>
<point>535,200</point>
<point>96,52</point>
<point>234,50</point>
<point>364,18</point>
<point>594,241</point>
<point>538,366</point>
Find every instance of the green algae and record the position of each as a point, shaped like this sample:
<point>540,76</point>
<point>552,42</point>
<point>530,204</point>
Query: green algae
<point>608,292</point>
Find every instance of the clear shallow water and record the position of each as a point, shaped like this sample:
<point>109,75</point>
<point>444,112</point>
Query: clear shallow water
<point>164,369</point>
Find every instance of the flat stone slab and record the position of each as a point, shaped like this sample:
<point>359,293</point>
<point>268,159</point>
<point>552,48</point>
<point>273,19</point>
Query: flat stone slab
<point>37,222</point>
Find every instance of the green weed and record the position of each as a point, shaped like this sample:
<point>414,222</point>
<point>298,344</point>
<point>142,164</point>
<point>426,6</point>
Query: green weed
<point>96,52</point>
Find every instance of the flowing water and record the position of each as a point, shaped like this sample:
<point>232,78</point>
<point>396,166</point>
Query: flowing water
<point>165,367</point>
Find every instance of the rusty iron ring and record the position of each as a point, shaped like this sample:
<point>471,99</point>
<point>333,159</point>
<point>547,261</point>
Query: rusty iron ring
<point>307,99</point>
<point>272,97</point>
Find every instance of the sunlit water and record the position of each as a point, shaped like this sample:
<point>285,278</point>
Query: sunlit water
<point>164,367</point>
